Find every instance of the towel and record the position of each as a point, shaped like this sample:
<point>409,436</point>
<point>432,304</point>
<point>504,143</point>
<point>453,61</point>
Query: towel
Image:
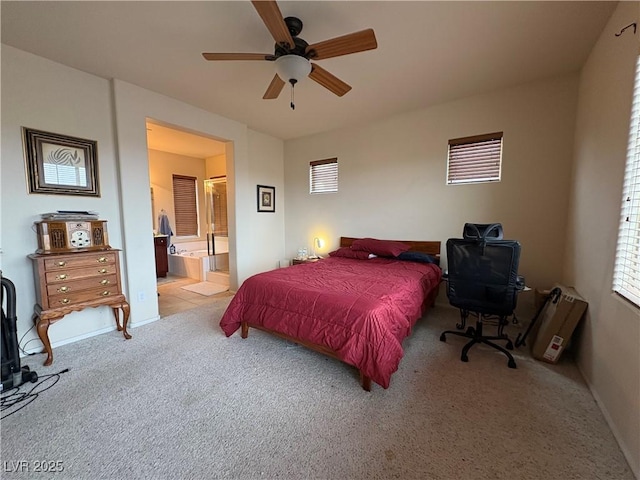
<point>164,227</point>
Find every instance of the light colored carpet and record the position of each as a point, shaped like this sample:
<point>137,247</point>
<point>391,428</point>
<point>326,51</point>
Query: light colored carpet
<point>181,400</point>
<point>206,288</point>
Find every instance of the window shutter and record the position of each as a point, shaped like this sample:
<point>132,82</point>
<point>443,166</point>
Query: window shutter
<point>475,159</point>
<point>323,176</point>
<point>626,277</point>
<point>185,205</point>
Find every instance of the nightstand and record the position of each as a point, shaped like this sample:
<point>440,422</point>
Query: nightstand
<point>298,261</point>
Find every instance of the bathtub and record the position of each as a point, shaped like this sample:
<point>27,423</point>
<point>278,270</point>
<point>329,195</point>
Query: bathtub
<point>192,259</point>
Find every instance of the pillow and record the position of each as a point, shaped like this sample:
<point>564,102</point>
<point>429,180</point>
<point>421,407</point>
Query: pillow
<point>418,257</point>
<point>346,252</point>
<point>384,248</point>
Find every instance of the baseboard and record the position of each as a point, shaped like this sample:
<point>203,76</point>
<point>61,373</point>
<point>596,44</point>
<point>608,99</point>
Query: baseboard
<point>612,427</point>
<point>84,336</point>
<point>66,341</point>
<point>144,322</point>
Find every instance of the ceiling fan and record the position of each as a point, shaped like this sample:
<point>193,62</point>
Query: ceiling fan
<point>292,54</point>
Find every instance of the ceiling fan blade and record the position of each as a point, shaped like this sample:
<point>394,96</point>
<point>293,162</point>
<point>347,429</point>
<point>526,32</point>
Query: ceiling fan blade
<point>344,45</point>
<point>274,89</point>
<point>328,80</point>
<point>273,20</point>
<point>238,56</point>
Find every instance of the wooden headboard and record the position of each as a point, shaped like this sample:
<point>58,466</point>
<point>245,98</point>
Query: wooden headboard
<point>428,247</point>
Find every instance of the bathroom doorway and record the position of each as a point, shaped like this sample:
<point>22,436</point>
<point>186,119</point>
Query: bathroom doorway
<point>176,153</point>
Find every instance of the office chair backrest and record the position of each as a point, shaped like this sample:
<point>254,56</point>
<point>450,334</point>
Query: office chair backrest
<point>483,275</point>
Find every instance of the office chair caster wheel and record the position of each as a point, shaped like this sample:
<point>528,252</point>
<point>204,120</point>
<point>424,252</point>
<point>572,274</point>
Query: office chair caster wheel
<point>443,338</point>
<point>464,358</point>
<point>509,345</point>
<point>512,363</point>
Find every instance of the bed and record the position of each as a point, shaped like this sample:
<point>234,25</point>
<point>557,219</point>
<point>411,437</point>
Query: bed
<point>358,310</point>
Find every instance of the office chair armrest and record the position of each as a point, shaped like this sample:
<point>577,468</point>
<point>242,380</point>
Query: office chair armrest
<point>520,284</point>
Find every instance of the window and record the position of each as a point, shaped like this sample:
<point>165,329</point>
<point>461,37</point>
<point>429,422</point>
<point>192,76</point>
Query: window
<point>626,276</point>
<point>185,203</point>
<point>475,159</point>
<point>323,176</point>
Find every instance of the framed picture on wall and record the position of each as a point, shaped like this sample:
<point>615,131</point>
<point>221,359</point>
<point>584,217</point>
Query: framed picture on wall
<point>59,164</point>
<point>266,198</point>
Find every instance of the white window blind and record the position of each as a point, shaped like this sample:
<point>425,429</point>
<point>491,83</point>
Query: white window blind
<point>626,277</point>
<point>185,204</point>
<point>475,159</point>
<point>323,176</point>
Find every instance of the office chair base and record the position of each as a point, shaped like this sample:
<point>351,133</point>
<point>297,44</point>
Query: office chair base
<point>475,334</point>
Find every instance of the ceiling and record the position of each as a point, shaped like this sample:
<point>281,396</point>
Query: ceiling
<point>428,52</point>
<point>180,142</point>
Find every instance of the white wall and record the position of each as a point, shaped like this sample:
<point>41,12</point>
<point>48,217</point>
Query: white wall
<point>268,228</point>
<point>216,166</point>
<point>609,337</point>
<point>392,176</point>
<point>44,95</point>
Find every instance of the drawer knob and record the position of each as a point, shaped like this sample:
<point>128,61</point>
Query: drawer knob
<point>62,276</point>
<point>106,293</point>
<point>65,301</point>
<point>102,270</point>
<point>62,264</point>
<point>102,260</point>
<point>63,289</point>
<point>104,282</point>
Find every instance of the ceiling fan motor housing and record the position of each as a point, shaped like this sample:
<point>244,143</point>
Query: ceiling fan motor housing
<point>299,48</point>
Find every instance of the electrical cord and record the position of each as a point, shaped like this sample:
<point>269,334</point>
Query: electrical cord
<point>16,397</point>
<point>22,347</point>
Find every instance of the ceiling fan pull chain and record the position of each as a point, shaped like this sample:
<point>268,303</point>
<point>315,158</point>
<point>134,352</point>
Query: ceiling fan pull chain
<point>293,82</point>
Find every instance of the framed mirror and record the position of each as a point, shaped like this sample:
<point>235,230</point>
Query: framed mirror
<point>59,164</point>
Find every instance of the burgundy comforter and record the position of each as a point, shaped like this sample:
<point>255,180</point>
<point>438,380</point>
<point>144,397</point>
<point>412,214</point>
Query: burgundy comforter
<point>361,309</point>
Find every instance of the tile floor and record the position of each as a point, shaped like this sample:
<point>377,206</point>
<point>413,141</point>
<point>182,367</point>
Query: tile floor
<point>174,299</point>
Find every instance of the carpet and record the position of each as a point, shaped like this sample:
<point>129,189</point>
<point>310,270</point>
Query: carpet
<point>192,403</point>
<point>206,288</point>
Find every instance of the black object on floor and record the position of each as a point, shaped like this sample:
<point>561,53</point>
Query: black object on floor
<point>13,375</point>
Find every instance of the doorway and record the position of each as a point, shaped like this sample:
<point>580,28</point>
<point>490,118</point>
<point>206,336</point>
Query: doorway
<point>173,153</point>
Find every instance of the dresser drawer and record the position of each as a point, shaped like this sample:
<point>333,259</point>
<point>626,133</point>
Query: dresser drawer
<point>67,275</point>
<point>68,287</point>
<point>57,301</point>
<point>85,260</point>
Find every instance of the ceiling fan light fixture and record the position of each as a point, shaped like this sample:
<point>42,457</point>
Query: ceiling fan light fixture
<point>292,67</point>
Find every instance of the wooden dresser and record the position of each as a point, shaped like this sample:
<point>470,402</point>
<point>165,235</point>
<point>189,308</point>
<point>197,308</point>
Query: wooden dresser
<point>71,282</point>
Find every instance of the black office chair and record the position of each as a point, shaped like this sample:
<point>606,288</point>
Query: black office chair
<point>482,280</point>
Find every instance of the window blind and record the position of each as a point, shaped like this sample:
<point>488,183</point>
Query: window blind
<point>626,277</point>
<point>323,176</point>
<point>185,205</point>
<point>475,159</point>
